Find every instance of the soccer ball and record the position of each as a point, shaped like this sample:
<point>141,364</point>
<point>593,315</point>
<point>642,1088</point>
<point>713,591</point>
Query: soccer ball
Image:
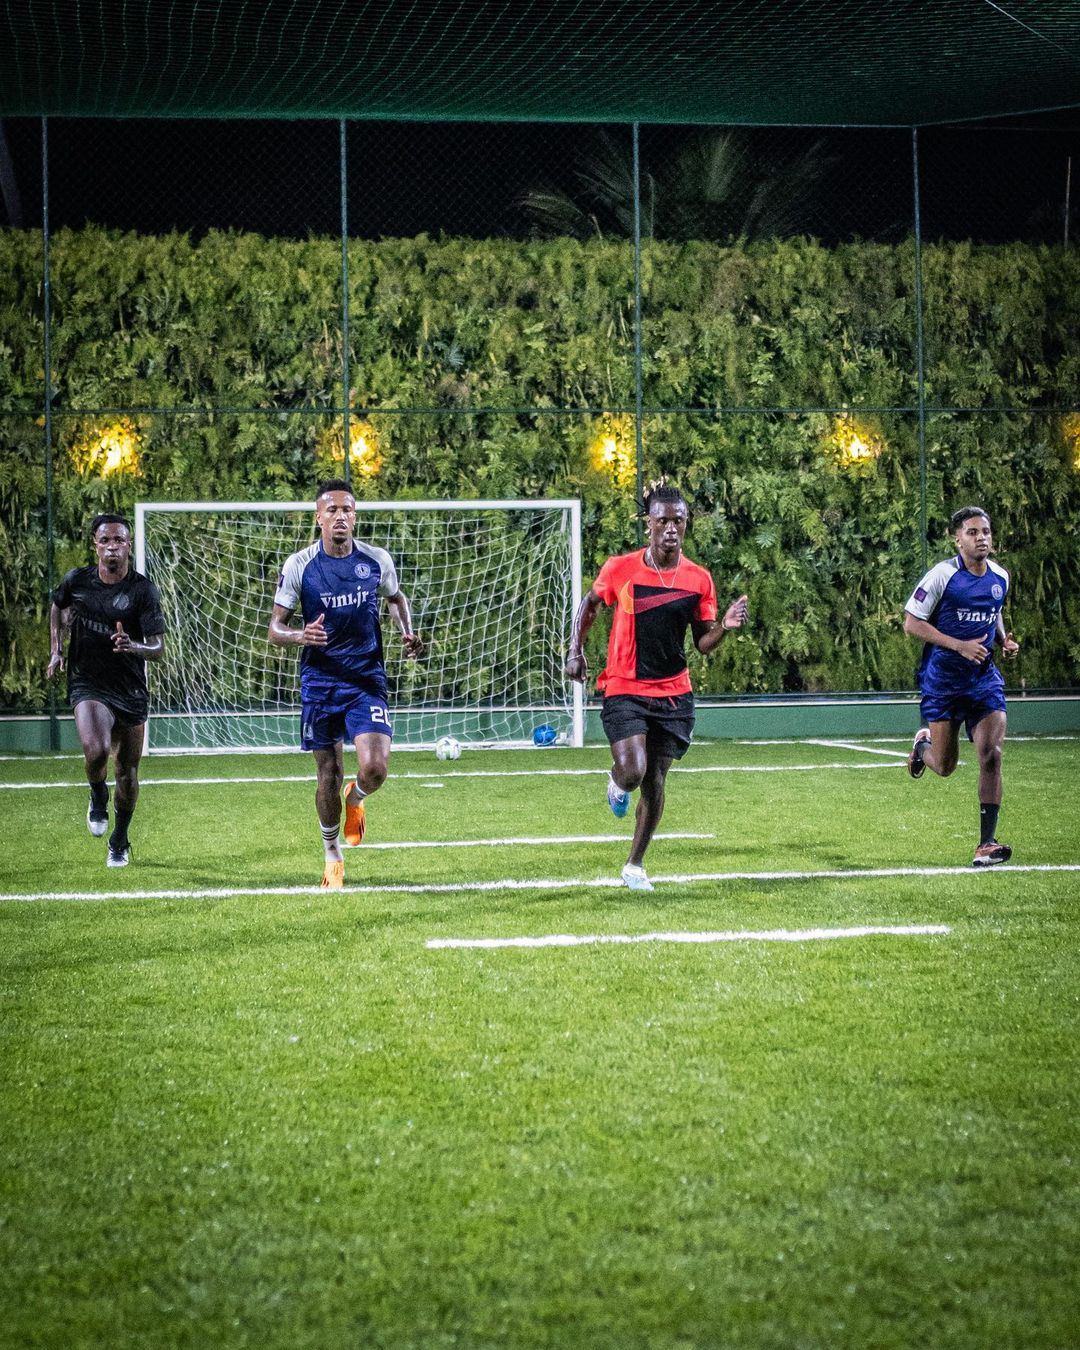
<point>446,747</point>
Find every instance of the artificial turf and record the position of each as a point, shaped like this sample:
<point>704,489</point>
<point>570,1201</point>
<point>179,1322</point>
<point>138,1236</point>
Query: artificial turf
<point>279,1118</point>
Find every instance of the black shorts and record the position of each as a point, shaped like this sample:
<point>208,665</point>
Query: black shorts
<point>666,723</point>
<point>125,713</point>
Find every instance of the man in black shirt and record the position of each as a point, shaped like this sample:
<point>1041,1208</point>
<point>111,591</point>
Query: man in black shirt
<point>113,614</point>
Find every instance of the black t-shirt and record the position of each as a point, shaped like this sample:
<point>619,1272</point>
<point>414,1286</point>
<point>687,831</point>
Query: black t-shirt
<point>94,667</point>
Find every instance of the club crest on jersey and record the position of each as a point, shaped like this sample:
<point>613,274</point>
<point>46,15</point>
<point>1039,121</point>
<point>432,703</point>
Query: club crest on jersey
<point>996,591</point>
<point>121,602</point>
<point>362,571</point>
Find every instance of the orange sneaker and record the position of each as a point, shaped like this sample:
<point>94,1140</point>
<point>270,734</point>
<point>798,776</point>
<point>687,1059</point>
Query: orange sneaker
<point>333,877</point>
<point>989,855</point>
<point>355,824</point>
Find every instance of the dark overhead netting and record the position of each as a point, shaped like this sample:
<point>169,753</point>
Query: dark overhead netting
<point>869,62</point>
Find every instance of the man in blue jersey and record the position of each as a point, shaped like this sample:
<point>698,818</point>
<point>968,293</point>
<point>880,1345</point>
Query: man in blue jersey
<point>337,583</point>
<point>956,611</point>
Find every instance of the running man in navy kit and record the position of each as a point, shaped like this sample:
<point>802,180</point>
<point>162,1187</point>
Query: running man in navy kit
<point>956,611</point>
<point>337,583</point>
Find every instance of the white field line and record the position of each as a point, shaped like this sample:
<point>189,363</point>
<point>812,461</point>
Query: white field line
<point>863,742</point>
<point>466,773</point>
<point>862,749</point>
<point>546,884</point>
<point>522,839</point>
<point>626,939</point>
<point>777,768</point>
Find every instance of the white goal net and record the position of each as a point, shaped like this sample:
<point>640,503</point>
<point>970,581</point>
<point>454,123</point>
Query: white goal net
<point>493,587</point>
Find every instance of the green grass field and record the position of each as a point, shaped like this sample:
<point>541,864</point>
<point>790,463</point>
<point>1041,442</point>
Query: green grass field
<point>247,1113</point>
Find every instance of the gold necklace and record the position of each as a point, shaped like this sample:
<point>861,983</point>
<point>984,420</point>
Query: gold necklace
<point>667,585</point>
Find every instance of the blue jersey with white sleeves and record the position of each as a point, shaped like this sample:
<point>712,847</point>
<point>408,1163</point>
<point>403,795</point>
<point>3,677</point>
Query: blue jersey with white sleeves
<point>346,591</point>
<point>961,605</point>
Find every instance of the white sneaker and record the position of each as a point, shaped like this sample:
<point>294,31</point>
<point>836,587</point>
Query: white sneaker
<point>634,878</point>
<point>97,825</point>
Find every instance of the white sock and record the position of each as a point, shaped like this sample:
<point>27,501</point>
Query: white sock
<point>356,794</point>
<point>331,837</point>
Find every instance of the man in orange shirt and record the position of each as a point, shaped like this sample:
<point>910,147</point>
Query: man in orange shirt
<point>648,711</point>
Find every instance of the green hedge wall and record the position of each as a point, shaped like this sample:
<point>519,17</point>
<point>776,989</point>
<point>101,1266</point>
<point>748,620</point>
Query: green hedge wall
<point>827,552</point>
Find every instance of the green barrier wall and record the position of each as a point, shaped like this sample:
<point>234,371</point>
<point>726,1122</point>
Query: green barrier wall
<point>1029,715</point>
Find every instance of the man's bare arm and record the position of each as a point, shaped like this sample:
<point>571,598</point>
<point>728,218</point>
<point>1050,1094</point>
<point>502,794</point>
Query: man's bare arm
<point>576,667</point>
<point>707,636</point>
<point>282,634</point>
<point>401,613</point>
<point>971,649</point>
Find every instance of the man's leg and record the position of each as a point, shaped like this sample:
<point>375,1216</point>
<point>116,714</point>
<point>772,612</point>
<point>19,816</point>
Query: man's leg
<point>989,737</point>
<point>650,806</point>
<point>94,723</point>
<point>328,778</point>
<point>372,762</point>
<point>127,745</point>
<point>628,762</point>
<point>941,752</point>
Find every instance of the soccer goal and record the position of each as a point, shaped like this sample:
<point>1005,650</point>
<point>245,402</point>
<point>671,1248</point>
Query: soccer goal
<point>493,585</point>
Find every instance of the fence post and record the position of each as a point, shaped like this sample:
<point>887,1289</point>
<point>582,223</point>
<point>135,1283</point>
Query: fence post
<point>347,475</point>
<point>639,471</point>
<point>920,352</point>
<point>46,292</point>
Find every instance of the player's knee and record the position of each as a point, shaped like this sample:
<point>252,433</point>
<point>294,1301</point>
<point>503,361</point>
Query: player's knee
<point>371,776</point>
<point>629,773</point>
<point>96,755</point>
<point>990,758</point>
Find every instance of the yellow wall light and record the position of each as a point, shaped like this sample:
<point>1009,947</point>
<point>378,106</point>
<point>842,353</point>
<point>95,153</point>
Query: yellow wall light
<point>365,457</point>
<point>854,443</point>
<point>1070,427</point>
<point>614,448</point>
<point>109,450</point>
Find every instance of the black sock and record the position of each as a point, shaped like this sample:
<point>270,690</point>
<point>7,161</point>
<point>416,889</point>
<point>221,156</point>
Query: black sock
<point>99,795</point>
<point>118,839</point>
<point>988,816</point>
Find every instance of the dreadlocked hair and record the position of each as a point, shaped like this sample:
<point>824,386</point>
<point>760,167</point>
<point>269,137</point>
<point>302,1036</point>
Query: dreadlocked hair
<point>660,490</point>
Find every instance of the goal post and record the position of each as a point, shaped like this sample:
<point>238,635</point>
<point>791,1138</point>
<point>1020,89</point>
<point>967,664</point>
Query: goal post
<point>493,585</point>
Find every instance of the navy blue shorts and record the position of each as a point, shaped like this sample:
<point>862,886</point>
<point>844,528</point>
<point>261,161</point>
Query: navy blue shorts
<point>969,706</point>
<point>327,721</point>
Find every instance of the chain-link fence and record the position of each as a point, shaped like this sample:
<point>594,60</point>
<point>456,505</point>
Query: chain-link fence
<point>826,336</point>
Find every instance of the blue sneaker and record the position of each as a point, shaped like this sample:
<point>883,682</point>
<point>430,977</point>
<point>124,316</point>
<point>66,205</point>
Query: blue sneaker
<point>617,799</point>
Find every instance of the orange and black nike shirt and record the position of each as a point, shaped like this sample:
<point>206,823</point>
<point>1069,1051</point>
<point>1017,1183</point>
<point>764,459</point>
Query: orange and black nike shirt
<point>653,610</point>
